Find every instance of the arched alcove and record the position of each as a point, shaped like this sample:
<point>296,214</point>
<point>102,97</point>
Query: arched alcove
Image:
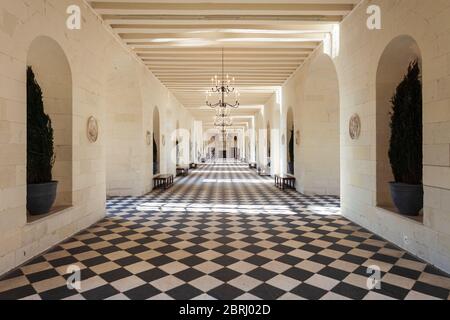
<point>53,74</point>
<point>392,67</point>
<point>268,144</point>
<point>156,142</point>
<point>247,147</point>
<point>191,147</point>
<point>318,138</point>
<point>178,143</point>
<point>237,145</point>
<point>290,141</point>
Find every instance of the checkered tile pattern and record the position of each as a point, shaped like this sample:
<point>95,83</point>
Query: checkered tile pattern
<point>225,233</point>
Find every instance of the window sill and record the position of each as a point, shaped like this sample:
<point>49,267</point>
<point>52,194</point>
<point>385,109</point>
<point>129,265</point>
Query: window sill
<point>55,211</point>
<point>393,211</point>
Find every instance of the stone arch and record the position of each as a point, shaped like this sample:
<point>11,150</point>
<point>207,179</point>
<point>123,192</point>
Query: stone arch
<point>156,142</point>
<point>54,75</point>
<point>178,143</point>
<point>290,141</point>
<point>268,145</point>
<point>392,66</point>
<point>318,138</point>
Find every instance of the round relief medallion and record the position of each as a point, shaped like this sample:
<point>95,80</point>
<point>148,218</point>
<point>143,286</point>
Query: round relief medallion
<point>355,127</point>
<point>92,129</point>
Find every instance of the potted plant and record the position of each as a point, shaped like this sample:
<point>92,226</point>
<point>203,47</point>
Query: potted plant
<point>155,156</point>
<point>405,151</point>
<point>291,153</point>
<point>41,189</point>
<point>177,144</point>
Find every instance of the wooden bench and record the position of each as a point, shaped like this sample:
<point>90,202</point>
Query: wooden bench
<point>285,181</point>
<point>164,181</point>
<point>264,172</point>
<point>193,166</point>
<point>182,171</point>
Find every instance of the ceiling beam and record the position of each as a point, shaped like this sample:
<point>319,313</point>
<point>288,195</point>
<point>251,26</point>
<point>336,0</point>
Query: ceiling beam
<point>139,45</point>
<point>229,50</point>
<point>229,56</point>
<point>138,27</point>
<point>241,19</point>
<point>222,8</point>
<point>229,68</point>
<point>222,36</point>
<point>181,42</point>
<point>216,63</point>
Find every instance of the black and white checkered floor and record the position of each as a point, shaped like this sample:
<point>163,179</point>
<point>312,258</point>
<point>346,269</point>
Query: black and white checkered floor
<point>225,233</point>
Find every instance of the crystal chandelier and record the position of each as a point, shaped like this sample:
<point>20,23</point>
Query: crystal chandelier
<point>223,87</point>
<point>223,119</point>
<point>222,122</point>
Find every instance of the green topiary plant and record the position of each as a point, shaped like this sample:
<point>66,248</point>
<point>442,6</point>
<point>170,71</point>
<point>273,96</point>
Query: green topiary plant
<point>405,152</point>
<point>291,146</point>
<point>40,150</point>
<point>155,155</point>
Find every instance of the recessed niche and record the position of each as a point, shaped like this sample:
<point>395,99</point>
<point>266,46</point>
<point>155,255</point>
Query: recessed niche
<point>290,142</point>
<point>156,142</point>
<point>53,74</point>
<point>393,66</point>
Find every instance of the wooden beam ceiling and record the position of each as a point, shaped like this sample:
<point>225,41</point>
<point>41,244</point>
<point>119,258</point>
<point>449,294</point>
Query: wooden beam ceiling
<point>265,41</point>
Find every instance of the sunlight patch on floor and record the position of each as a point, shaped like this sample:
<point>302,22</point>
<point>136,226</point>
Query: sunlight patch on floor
<point>193,208</point>
<point>236,181</point>
<point>325,210</point>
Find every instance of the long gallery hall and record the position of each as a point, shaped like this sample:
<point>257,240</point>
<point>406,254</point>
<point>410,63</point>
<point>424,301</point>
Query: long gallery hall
<point>224,150</point>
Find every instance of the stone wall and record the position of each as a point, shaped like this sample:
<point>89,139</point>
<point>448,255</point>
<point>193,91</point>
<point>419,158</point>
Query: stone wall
<point>132,94</point>
<point>107,83</point>
<point>356,66</point>
<point>267,135</point>
<point>428,23</point>
<point>313,94</point>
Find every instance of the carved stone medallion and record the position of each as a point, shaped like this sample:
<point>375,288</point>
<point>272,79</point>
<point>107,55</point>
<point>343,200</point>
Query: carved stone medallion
<point>355,127</point>
<point>92,130</point>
